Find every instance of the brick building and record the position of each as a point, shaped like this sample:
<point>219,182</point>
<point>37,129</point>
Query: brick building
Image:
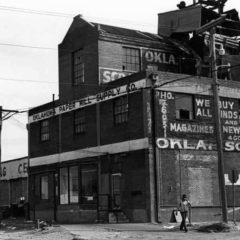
<point>131,131</point>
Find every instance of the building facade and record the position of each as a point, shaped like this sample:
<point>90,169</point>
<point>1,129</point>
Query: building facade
<point>136,152</point>
<point>132,129</point>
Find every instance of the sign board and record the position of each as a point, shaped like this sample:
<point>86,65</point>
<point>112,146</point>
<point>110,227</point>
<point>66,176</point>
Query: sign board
<point>14,169</point>
<point>90,100</point>
<point>107,75</point>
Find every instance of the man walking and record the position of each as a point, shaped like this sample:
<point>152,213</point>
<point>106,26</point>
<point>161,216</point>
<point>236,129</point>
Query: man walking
<point>184,208</point>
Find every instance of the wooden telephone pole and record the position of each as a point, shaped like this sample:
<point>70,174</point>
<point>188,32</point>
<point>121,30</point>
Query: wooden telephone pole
<point>216,100</point>
<point>222,188</point>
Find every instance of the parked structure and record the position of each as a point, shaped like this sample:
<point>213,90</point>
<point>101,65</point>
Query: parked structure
<point>132,130</point>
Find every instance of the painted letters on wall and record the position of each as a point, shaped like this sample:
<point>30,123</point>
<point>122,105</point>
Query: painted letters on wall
<point>202,126</point>
<point>14,169</point>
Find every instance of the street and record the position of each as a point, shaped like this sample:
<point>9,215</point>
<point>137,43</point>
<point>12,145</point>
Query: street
<point>19,229</point>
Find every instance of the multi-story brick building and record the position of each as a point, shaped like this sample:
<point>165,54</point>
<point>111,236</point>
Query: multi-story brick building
<point>122,142</point>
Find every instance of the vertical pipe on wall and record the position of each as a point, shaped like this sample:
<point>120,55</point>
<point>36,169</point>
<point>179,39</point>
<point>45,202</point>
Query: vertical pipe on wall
<point>151,150</point>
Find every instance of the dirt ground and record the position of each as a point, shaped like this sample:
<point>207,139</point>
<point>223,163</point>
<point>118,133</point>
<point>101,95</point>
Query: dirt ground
<point>145,231</point>
<point>15,229</point>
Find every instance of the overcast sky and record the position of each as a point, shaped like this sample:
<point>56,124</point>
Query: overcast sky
<point>29,37</point>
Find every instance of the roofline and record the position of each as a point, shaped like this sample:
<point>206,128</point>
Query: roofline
<point>13,160</point>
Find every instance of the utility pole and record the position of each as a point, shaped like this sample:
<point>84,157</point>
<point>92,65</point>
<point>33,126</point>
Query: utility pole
<point>215,86</point>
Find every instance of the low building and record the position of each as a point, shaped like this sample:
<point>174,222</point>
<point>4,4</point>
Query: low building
<point>14,186</point>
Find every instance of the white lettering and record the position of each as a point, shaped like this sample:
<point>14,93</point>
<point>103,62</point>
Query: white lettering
<point>159,57</point>
<point>163,143</point>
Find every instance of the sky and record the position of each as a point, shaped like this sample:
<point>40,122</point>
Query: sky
<point>30,31</point>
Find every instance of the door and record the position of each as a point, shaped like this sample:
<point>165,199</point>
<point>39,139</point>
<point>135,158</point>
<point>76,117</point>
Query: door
<point>116,190</point>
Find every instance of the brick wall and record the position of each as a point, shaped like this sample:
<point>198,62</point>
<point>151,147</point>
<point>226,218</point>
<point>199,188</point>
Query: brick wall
<point>80,36</point>
<point>133,129</point>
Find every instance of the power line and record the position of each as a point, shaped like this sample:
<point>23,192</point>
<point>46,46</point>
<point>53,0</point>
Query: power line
<point>38,12</point>
<point>27,46</point>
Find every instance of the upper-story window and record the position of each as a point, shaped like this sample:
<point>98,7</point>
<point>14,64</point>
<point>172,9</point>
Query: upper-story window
<point>44,130</point>
<point>121,110</point>
<point>78,67</point>
<point>79,121</point>
<point>184,106</point>
<point>131,59</point>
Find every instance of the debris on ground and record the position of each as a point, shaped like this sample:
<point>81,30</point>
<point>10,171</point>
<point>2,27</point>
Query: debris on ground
<point>215,227</point>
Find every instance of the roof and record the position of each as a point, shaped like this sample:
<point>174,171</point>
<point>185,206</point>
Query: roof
<point>128,32</point>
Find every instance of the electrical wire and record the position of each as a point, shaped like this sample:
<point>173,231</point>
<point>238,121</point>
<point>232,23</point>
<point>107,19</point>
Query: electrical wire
<point>38,12</point>
<point>27,46</point>
<point>157,86</point>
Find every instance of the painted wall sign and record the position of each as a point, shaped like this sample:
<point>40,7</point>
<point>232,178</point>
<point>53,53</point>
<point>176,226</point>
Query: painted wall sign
<point>203,124</point>
<point>14,169</point>
<point>171,143</point>
<point>191,128</point>
<point>103,96</point>
<point>203,107</point>
<point>158,57</point>
<point>107,75</point>
<point>190,144</point>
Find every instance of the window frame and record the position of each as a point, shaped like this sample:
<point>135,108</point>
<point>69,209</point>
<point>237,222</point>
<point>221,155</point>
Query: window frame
<point>121,110</point>
<point>80,169</point>
<point>45,130</point>
<point>88,167</point>
<point>130,61</point>
<point>79,121</point>
<point>77,68</point>
<point>68,186</point>
<point>41,184</point>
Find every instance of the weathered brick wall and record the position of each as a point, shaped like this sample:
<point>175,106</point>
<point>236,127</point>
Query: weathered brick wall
<point>81,36</point>
<point>72,141</point>
<point>133,129</point>
<point>110,55</point>
<point>43,148</point>
<point>188,172</point>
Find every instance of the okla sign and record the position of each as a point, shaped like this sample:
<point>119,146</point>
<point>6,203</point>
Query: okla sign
<point>185,144</point>
<point>170,143</point>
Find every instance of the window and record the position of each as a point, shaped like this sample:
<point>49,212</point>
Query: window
<point>88,184</point>
<point>184,106</point>
<point>79,121</point>
<point>73,184</point>
<point>78,67</point>
<point>131,59</point>
<point>121,110</point>
<point>64,186</point>
<point>44,130</point>
<point>69,185</point>
<point>44,187</point>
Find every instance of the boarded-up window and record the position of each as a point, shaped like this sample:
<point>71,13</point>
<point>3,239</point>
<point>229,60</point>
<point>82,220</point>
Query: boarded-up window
<point>184,106</point>
<point>200,186</point>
